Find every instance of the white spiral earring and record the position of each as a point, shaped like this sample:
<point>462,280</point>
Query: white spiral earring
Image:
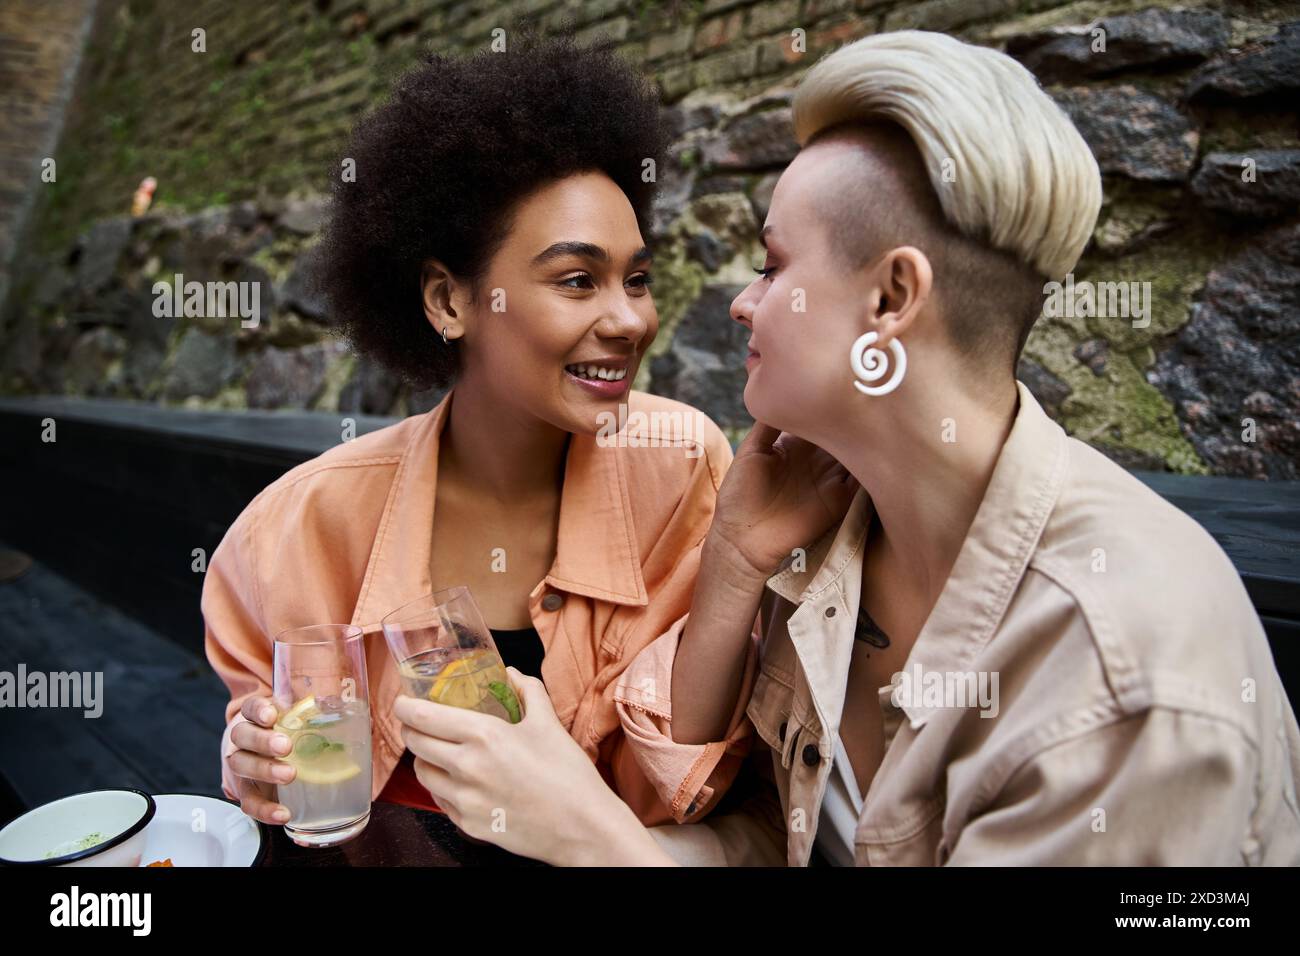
<point>869,364</point>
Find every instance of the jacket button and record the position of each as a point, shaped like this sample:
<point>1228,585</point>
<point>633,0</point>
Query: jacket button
<point>552,602</point>
<point>830,611</point>
<point>780,732</point>
<point>811,757</point>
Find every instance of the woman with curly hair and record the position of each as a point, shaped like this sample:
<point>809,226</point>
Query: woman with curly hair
<point>491,244</point>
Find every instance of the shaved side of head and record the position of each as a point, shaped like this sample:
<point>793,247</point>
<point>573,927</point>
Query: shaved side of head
<point>880,198</point>
<point>1018,187</point>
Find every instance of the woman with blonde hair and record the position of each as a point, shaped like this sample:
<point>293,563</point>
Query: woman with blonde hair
<point>1003,649</point>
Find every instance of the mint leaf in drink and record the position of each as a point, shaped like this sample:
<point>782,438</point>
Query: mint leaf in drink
<point>309,746</point>
<point>502,692</point>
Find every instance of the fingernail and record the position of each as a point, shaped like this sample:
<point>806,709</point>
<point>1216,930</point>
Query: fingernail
<point>281,744</point>
<point>280,816</point>
<point>284,774</point>
<point>268,715</point>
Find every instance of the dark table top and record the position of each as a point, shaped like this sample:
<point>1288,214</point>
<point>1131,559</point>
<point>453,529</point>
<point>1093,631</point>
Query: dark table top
<point>395,836</point>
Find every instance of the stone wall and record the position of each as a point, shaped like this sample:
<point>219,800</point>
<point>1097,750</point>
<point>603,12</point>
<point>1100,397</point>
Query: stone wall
<point>1191,110</point>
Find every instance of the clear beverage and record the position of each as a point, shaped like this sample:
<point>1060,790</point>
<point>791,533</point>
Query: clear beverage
<point>445,653</point>
<point>322,695</point>
<point>470,678</point>
<point>331,754</point>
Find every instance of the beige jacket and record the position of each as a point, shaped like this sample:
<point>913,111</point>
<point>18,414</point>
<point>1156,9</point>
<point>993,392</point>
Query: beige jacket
<point>1139,716</point>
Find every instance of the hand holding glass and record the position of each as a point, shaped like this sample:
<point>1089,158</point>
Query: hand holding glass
<point>323,698</point>
<point>445,653</point>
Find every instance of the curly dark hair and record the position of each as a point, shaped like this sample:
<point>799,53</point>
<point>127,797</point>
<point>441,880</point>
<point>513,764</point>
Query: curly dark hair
<point>441,166</point>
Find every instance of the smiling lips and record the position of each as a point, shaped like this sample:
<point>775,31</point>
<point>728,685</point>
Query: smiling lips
<point>606,373</point>
<point>605,377</point>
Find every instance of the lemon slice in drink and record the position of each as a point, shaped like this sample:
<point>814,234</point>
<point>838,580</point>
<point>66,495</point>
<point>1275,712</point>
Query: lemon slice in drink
<point>327,766</point>
<point>455,686</point>
<point>317,759</point>
<point>298,715</point>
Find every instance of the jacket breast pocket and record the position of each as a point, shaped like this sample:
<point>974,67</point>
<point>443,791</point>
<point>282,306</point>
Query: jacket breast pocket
<point>916,840</point>
<point>769,707</point>
<point>783,715</point>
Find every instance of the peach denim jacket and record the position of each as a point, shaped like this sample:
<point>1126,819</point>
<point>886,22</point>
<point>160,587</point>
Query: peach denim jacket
<point>1139,718</point>
<point>347,537</point>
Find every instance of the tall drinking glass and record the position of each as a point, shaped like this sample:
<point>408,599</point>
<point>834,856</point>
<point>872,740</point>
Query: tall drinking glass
<point>445,653</point>
<point>323,699</point>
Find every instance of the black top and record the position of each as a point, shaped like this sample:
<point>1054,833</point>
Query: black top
<point>521,649</point>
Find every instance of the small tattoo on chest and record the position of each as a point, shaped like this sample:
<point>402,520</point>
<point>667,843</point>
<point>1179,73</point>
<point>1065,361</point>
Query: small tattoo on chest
<point>868,631</point>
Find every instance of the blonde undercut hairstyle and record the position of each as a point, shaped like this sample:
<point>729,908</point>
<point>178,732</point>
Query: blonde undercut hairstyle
<point>1009,170</point>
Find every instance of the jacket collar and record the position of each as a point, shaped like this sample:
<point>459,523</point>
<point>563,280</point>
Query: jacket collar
<point>1022,492</point>
<point>827,579</point>
<point>1021,495</point>
<point>829,556</point>
<point>596,550</point>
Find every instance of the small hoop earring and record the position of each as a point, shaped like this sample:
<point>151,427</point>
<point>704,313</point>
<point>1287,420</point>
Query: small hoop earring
<point>444,335</point>
<point>869,364</point>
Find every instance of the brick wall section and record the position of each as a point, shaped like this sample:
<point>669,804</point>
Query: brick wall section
<point>266,106</point>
